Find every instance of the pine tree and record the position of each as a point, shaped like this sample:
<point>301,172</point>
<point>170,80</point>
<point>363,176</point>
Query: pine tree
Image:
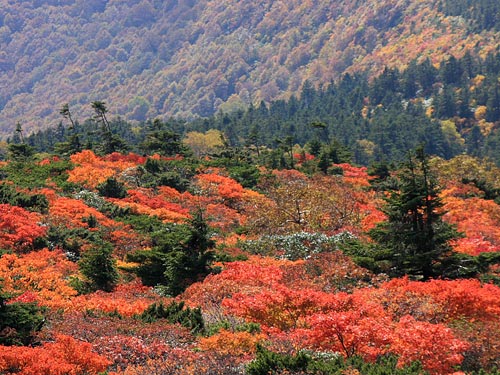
<point>181,256</point>
<point>414,235</point>
<point>110,142</point>
<point>99,267</point>
<point>162,140</point>
<point>18,321</point>
<point>190,262</point>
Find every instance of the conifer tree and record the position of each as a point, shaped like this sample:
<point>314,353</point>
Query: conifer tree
<point>99,267</point>
<point>18,321</point>
<point>190,262</point>
<point>182,256</point>
<point>110,142</point>
<point>414,236</point>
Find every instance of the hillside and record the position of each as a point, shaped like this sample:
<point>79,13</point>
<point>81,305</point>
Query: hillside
<point>185,58</point>
<point>131,264</point>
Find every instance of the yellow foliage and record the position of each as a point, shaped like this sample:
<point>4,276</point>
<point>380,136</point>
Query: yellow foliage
<point>204,143</point>
<point>477,81</point>
<point>485,127</point>
<point>451,134</point>
<point>367,146</point>
<point>231,343</point>
<point>480,113</point>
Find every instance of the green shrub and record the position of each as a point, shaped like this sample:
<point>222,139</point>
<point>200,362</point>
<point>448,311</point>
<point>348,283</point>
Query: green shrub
<point>112,188</point>
<point>18,321</point>
<point>99,267</point>
<point>314,363</point>
<point>176,312</point>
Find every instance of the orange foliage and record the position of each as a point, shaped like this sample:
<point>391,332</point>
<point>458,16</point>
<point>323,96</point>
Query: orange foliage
<point>19,228</point>
<point>440,300</point>
<point>147,202</point>
<point>91,170</point>
<point>45,273</point>
<point>65,356</point>
<point>127,300</point>
<point>223,217</point>
<point>223,189</point>
<point>356,176</point>
<point>478,218</point>
<point>72,212</point>
<point>239,344</point>
<point>328,271</point>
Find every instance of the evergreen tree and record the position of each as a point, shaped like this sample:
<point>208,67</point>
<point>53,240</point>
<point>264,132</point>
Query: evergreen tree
<point>162,140</point>
<point>99,267</point>
<point>110,142</point>
<point>182,255</point>
<point>414,235</point>
<point>66,113</point>
<point>19,150</point>
<point>190,262</point>
<point>18,321</point>
<point>112,188</point>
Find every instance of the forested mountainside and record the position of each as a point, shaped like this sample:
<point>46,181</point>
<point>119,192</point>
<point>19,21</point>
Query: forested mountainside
<point>452,109</point>
<point>160,58</point>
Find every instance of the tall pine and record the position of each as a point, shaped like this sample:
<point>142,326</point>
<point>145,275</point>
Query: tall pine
<point>414,236</point>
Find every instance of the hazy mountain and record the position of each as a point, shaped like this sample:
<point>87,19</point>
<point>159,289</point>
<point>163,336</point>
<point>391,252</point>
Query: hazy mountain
<point>148,58</point>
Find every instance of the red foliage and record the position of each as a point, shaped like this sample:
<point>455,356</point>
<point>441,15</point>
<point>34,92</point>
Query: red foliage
<point>434,345</point>
<point>303,157</point>
<point>65,356</point>
<point>19,228</point>
<point>126,240</point>
<point>125,341</point>
<point>250,276</point>
<point>282,308</point>
<point>116,157</point>
<point>180,361</point>
<point>362,330</point>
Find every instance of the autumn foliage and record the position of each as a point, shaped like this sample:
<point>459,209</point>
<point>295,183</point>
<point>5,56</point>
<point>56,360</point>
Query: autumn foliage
<point>63,356</point>
<point>260,292</point>
<point>19,228</point>
<point>91,170</point>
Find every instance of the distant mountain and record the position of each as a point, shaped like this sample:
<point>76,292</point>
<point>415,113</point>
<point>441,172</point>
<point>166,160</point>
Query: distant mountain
<point>148,58</point>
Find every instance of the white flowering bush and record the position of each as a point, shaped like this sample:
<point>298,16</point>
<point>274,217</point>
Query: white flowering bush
<point>300,245</point>
<point>91,199</point>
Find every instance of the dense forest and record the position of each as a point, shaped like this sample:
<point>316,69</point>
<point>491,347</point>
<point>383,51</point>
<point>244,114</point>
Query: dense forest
<point>452,109</point>
<point>191,58</point>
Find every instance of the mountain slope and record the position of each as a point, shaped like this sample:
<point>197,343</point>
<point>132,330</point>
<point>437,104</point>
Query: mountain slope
<point>154,58</point>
